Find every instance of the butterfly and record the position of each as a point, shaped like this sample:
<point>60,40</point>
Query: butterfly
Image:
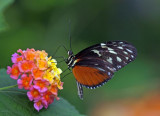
<point>95,65</point>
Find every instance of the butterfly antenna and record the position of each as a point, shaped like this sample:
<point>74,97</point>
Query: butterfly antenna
<point>59,48</point>
<point>70,34</point>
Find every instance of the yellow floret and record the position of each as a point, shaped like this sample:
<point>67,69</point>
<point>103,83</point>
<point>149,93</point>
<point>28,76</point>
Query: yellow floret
<point>48,76</point>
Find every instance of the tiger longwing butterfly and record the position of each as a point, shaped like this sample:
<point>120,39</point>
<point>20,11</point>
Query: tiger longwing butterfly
<point>95,65</point>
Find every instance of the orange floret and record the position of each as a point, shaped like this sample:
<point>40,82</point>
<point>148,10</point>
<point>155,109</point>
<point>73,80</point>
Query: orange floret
<point>29,54</point>
<point>26,66</point>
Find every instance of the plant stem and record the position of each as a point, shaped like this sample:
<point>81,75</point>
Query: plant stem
<point>8,87</point>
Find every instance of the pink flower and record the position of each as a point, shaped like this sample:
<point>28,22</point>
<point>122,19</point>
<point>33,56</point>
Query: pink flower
<point>16,58</point>
<point>14,71</point>
<point>25,82</point>
<point>38,104</point>
<point>48,98</point>
<point>20,51</point>
<point>41,85</point>
<point>33,94</point>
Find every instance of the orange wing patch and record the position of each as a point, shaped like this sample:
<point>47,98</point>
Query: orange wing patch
<point>89,76</point>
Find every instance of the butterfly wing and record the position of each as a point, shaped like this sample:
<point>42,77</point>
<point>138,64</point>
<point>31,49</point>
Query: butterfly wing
<point>95,65</point>
<point>116,53</point>
<point>92,73</point>
<point>80,90</point>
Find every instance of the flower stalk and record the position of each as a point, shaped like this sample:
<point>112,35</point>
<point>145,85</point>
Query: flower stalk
<point>8,87</point>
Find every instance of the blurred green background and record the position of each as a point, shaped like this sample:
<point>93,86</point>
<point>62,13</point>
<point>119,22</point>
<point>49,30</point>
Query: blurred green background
<point>44,25</point>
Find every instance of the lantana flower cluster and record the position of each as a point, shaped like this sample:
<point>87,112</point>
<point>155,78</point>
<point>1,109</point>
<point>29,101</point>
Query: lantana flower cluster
<point>37,73</point>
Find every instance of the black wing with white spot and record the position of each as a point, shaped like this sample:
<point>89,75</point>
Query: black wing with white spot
<point>114,54</point>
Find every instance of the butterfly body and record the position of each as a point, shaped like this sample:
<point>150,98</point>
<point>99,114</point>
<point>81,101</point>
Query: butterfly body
<point>95,65</point>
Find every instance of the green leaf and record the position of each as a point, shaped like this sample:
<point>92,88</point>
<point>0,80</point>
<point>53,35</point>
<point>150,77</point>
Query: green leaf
<point>14,102</point>
<point>3,5</point>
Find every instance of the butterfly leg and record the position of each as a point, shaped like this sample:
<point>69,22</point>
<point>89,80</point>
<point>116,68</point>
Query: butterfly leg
<point>80,90</point>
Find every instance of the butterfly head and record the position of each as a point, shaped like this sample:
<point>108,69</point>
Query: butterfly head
<point>70,53</point>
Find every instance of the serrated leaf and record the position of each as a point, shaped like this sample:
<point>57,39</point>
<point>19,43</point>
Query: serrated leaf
<point>3,5</point>
<point>14,102</point>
